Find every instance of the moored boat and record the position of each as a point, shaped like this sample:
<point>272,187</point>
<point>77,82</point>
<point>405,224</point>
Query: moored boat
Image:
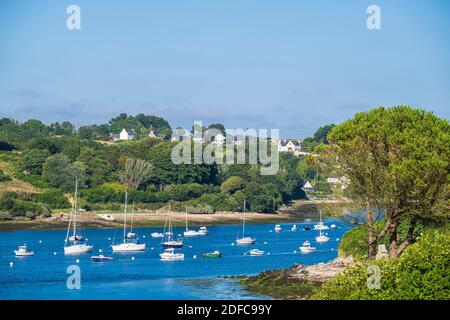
<point>256,252</point>
<point>306,247</point>
<point>321,238</point>
<point>75,244</point>
<point>23,252</point>
<point>101,258</point>
<point>170,255</point>
<point>157,235</point>
<point>214,254</point>
<point>278,228</point>
<point>294,228</point>
<point>244,240</point>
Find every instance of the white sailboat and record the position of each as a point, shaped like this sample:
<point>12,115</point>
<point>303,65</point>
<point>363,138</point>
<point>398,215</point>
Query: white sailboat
<point>244,240</point>
<point>256,252</point>
<point>75,244</point>
<point>130,240</point>
<point>190,233</point>
<point>321,238</point>
<point>170,242</point>
<point>320,225</point>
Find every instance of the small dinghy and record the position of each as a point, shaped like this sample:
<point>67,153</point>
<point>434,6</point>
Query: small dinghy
<point>157,235</point>
<point>306,228</point>
<point>306,247</point>
<point>256,252</point>
<point>294,228</point>
<point>101,258</point>
<point>23,252</point>
<point>278,228</point>
<point>214,254</point>
<point>333,226</point>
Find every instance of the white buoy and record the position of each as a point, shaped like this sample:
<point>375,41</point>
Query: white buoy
<point>337,239</point>
<point>143,237</point>
<point>151,248</point>
<point>54,253</point>
<point>132,258</point>
<point>332,249</point>
<point>232,243</point>
<point>195,256</point>
<point>268,253</point>
<point>270,230</point>
<point>190,247</point>
<point>40,241</point>
<point>11,264</point>
<point>109,239</point>
<point>77,261</point>
<point>265,242</point>
<point>100,250</point>
<point>295,251</point>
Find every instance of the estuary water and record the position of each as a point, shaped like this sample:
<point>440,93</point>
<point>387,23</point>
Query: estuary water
<point>143,275</point>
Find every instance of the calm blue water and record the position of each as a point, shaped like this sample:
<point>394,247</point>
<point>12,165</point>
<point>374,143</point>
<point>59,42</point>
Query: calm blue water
<point>43,276</point>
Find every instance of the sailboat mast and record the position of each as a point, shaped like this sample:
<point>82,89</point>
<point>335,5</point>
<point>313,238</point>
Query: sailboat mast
<point>125,215</point>
<point>243,220</point>
<point>75,210</point>
<point>186,220</point>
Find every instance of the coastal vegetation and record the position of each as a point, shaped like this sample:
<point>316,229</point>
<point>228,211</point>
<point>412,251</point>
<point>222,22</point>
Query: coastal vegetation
<point>39,164</point>
<point>397,162</point>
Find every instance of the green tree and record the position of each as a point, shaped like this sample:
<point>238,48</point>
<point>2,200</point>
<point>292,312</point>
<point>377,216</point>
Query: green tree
<point>136,172</point>
<point>232,184</point>
<point>59,172</point>
<point>397,159</point>
<point>32,160</point>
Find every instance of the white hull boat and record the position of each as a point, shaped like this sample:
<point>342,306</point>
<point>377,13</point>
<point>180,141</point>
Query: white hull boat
<point>320,226</point>
<point>128,247</point>
<point>203,231</point>
<point>306,248</point>
<point>191,233</point>
<point>294,228</point>
<point>245,241</point>
<point>170,255</point>
<point>157,235</point>
<point>333,226</point>
<point>278,228</point>
<point>78,249</point>
<point>321,238</point>
<point>23,252</point>
<point>75,244</point>
<point>256,252</point>
<point>130,240</point>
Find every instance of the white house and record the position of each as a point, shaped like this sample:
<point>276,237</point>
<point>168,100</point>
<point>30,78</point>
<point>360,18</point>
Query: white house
<point>219,139</point>
<point>125,135</point>
<point>289,145</point>
<point>153,134</point>
<point>307,187</point>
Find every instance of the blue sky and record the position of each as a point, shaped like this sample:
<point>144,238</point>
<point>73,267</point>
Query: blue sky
<point>293,65</point>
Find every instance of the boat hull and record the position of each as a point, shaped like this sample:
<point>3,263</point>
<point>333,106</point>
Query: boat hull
<point>128,247</point>
<point>77,249</point>
<point>23,254</point>
<point>245,241</point>
<point>172,245</point>
<point>171,257</point>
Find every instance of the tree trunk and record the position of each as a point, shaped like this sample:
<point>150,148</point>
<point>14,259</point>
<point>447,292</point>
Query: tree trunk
<point>393,238</point>
<point>409,237</point>
<point>372,240</point>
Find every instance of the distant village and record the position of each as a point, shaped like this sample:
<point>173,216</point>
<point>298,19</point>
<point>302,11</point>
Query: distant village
<point>293,146</point>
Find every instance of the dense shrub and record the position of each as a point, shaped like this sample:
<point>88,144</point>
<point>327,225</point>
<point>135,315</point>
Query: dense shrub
<point>187,191</point>
<point>421,272</point>
<point>232,184</point>
<point>4,177</point>
<point>54,199</point>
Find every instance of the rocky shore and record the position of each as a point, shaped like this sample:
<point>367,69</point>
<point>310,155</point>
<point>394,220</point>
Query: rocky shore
<point>296,282</point>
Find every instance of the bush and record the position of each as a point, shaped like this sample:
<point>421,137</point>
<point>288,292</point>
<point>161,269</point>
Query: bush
<point>421,272</point>
<point>4,177</point>
<point>5,216</point>
<point>54,199</point>
<point>232,184</point>
<point>187,191</point>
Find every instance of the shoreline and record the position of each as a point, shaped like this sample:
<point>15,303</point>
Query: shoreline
<point>298,210</point>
